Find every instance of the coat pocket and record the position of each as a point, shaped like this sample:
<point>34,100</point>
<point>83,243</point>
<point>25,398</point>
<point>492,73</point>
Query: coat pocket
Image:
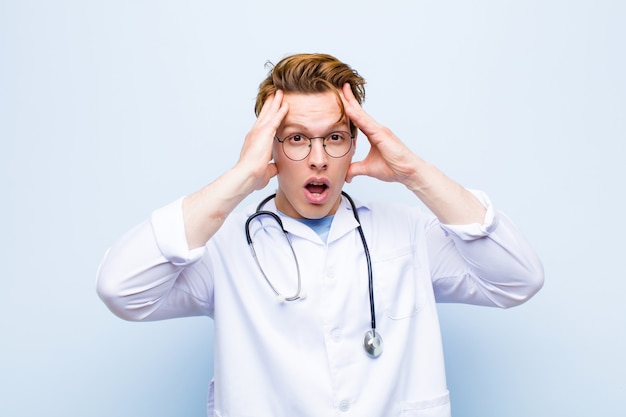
<point>396,283</point>
<point>434,407</point>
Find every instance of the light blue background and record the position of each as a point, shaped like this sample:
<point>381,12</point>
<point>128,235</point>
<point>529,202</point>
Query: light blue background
<point>110,109</point>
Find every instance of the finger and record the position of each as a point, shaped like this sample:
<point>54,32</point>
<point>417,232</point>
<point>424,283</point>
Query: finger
<point>350,103</point>
<point>267,104</point>
<point>355,112</point>
<point>281,110</point>
<point>346,90</point>
<point>272,105</point>
<point>277,112</point>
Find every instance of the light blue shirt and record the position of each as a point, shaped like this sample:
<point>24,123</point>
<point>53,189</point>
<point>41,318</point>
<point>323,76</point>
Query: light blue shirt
<point>320,226</point>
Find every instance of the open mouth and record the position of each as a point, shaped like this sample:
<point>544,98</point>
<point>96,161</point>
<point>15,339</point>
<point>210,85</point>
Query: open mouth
<point>316,188</point>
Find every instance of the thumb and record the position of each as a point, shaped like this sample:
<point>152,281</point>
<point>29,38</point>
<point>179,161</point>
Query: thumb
<point>355,169</point>
<point>270,172</point>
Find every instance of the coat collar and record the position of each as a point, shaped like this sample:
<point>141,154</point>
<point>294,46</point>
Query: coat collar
<point>343,221</point>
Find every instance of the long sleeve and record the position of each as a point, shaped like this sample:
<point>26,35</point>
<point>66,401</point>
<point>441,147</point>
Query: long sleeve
<point>149,274</point>
<point>490,264</point>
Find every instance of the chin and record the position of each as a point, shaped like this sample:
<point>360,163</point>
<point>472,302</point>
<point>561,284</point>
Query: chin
<point>317,211</point>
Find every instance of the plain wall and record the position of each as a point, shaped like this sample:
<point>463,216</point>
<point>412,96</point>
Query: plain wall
<point>110,109</point>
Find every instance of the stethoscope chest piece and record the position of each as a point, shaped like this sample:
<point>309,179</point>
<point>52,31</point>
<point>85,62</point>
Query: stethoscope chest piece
<point>373,343</point>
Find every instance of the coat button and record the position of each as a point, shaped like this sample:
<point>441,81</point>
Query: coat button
<point>344,405</point>
<point>336,335</point>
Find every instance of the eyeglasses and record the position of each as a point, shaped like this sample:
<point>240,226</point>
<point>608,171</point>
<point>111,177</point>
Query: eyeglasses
<point>298,146</point>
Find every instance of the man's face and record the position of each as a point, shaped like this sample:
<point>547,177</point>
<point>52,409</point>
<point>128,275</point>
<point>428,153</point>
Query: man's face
<point>311,188</point>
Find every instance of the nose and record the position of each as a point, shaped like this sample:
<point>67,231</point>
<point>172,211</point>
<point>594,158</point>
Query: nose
<point>318,158</point>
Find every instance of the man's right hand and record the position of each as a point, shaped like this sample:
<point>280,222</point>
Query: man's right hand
<point>256,154</point>
<point>204,211</point>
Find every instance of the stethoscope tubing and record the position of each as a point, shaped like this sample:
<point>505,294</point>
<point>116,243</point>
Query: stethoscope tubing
<point>368,260</point>
<point>258,213</point>
<point>373,341</point>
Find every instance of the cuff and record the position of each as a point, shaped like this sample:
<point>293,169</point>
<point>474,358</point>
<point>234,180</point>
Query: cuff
<point>475,230</point>
<point>168,227</point>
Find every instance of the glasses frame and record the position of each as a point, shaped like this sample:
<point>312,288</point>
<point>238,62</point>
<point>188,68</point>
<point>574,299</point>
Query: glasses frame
<point>323,138</point>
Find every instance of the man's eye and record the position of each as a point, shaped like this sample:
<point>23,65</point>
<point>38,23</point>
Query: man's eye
<point>296,139</point>
<point>337,137</point>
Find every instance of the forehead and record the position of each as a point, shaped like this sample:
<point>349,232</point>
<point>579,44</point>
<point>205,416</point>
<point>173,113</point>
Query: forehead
<point>312,111</point>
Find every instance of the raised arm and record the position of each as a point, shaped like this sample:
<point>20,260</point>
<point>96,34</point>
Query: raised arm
<point>474,259</point>
<point>391,160</point>
<point>151,273</point>
<point>205,211</point>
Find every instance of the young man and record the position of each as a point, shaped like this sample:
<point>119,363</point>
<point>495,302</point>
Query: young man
<point>317,352</point>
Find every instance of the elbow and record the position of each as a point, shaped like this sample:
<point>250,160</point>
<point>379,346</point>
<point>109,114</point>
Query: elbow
<point>111,296</point>
<point>111,290</point>
<point>527,285</point>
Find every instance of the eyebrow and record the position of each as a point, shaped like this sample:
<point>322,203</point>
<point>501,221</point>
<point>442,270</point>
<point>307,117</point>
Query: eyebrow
<point>304,129</point>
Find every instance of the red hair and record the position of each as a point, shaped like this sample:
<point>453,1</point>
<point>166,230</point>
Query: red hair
<point>311,74</point>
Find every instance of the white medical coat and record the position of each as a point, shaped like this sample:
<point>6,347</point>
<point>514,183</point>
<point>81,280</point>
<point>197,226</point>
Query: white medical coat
<point>306,358</point>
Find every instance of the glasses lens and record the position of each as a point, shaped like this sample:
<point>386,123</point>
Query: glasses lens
<point>296,146</point>
<point>337,144</point>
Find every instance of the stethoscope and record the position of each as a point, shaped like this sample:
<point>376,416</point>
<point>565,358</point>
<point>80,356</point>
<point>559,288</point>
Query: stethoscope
<point>372,341</point>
